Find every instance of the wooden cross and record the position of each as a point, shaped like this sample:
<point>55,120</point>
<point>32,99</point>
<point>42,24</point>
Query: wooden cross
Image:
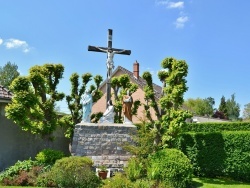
<point>110,55</point>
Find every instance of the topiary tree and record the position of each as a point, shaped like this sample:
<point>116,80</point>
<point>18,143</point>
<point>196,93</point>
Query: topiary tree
<point>74,99</point>
<point>34,100</point>
<point>170,119</point>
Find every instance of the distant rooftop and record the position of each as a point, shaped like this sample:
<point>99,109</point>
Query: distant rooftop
<point>5,94</point>
<point>138,80</point>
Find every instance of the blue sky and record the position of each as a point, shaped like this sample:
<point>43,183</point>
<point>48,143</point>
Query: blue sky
<point>212,36</point>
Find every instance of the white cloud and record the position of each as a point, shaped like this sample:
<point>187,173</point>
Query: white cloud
<point>179,4</point>
<point>171,4</point>
<point>180,22</point>
<point>1,41</point>
<point>15,43</point>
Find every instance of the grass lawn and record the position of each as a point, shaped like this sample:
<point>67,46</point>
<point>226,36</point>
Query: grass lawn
<point>198,183</point>
<point>218,183</point>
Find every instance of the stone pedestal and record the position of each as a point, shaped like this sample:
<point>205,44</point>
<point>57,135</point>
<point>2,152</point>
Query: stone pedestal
<point>103,143</point>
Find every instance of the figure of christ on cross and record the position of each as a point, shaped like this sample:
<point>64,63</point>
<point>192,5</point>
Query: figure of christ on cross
<point>110,62</point>
<point>110,56</point>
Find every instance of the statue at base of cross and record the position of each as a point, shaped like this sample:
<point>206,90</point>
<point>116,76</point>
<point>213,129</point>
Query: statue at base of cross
<point>126,108</point>
<point>108,116</point>
<point>87,101</point>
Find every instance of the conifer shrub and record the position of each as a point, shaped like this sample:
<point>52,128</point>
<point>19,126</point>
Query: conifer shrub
<point>74,171</point>
<point>170,167</point>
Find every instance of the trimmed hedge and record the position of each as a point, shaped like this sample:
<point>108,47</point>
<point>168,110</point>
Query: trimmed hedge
<point>214,154</point>
<point>217,127</point>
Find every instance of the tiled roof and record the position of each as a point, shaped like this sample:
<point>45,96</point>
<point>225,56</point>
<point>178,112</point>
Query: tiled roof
<point>5,93</point>
<point>139,81</point>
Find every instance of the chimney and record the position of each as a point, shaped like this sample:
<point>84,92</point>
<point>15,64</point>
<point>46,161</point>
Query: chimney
<point>136,69</point>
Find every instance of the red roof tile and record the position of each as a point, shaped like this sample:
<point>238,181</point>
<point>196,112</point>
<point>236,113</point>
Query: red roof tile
<point>5,93</point>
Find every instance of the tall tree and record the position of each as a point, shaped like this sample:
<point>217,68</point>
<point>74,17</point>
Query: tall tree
<point>223,106</point>
<point>170,118</point>
<point>200,107</point>
<point>246,112</point>
<point>233,108</point>
<point>8,73</point>
<point>34,101</point>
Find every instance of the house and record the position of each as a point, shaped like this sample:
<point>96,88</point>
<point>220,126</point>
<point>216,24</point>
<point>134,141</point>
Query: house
<point>100,105</point>
<point>203,119</point>
<point>5,98</point>
<point>16,144</point>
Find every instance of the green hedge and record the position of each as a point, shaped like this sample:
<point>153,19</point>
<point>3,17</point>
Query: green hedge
<point>215,154</point>
<point>217,127</point>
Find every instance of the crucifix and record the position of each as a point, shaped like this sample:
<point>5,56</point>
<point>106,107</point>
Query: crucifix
<point>110,56</point>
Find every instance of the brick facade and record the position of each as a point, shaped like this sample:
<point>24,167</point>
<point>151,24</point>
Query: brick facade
<point>100,105</point>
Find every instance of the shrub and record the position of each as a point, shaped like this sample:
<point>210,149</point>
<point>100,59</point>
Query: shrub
<point>145,183</point>
<point>134,169</point>
<point>74,171</point>
<point>171,167</point>
<point>23,178</point>
<point>49,156</point>
<point>45,180</point>
<point>19,166</point>
<point>118,181</point>
<point>217,127</point>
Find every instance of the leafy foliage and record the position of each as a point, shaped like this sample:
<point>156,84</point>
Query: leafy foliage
<point>74,99</point>
<point>219,114</point>
<point>233,108</point>
<point>223,107</point>
<point>134,169</point>
<point>218,154</point>
<point>217,127</point>
<point>143,142</point>
<point>49,156</point>
<point>120,85</point>
<point>200,107</point>
<point>8,73</point>
<point>35,96</point>
<point>167,128</point>
<point>171,167</point>
<point>118,181</point>
<point>74,172</point>
<point>14,170</point>
<point>24,178</point>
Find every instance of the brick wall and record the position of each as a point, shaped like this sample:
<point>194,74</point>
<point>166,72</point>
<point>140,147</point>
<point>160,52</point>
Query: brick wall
<point>100,105</point>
